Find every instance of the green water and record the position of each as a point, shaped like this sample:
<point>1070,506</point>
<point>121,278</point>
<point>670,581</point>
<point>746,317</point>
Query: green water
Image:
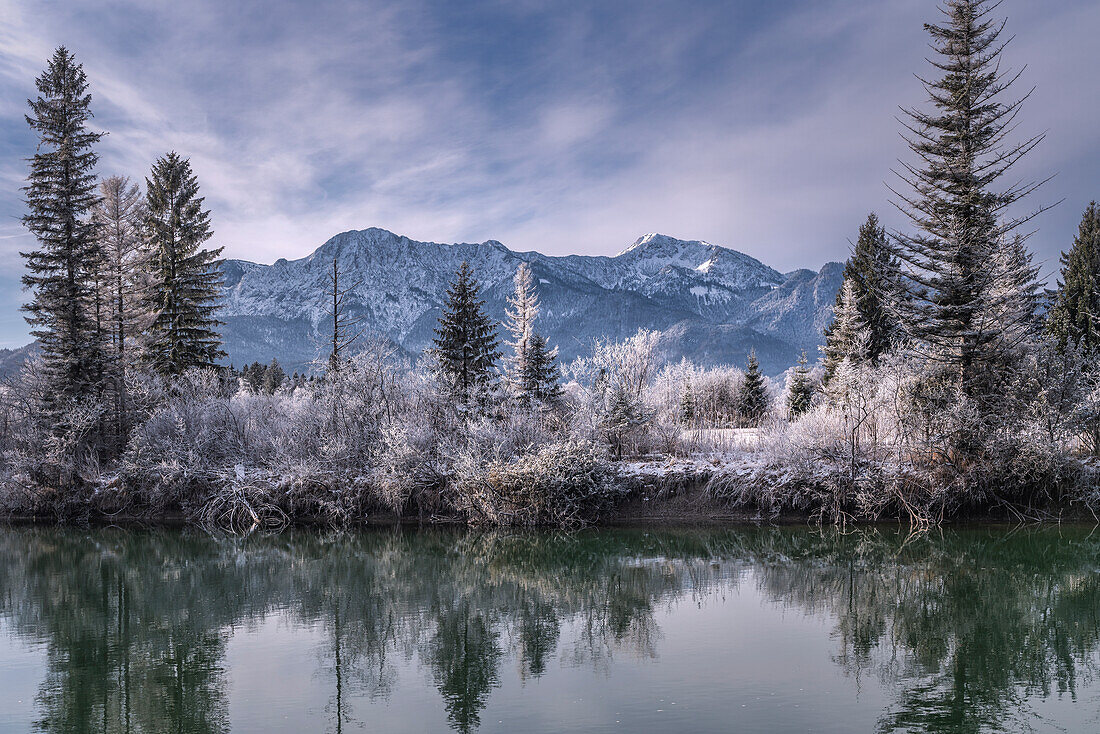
<point>751,630</point>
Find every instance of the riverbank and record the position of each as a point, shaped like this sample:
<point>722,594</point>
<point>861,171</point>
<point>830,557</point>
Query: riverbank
<point>577,489</point>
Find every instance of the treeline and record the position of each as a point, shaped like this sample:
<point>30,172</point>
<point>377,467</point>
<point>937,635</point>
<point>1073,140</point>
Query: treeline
<point>950,382</point>
<point>119,279</point>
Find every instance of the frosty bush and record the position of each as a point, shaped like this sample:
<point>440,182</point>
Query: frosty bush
<point>560,484</point>
<point>46,463</point>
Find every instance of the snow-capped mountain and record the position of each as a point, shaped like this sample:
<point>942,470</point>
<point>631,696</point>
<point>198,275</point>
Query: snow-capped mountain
<point>712,304</point>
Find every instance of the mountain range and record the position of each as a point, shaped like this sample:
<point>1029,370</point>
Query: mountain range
<point>711,304</point>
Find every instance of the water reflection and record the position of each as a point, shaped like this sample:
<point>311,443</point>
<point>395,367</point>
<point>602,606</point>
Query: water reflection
<point>964,627</point>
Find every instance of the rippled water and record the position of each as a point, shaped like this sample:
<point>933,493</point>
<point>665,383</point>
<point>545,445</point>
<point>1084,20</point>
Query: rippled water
<point>770,630</point>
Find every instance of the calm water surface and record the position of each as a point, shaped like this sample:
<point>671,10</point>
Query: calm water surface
<point>752,630</point>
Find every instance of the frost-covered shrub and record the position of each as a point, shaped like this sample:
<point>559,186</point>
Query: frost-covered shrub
<point>812,466</point>
<point>560,484</point>
<point>182,444</point>
<point>48,462</point>
<point>608,392</point>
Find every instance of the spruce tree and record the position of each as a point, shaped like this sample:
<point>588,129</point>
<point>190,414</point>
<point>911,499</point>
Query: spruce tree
<point>274,377</point>
<point>186,285</point>
<point>800,395</point>
<point>847,333</point>
<point>466,342</point>
<point>623,415</point>
<point>63,269</point>
<point>523,308</point>
<point>753,400</point>
<point>1075,317</point>
<point>542,375</point>
<point>873,271</point>
<point>532,370</point>
<point>253,376</point>
<point>954,311</point>
<point>687,404</point>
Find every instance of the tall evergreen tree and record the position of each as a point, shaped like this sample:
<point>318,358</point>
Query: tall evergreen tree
<point>523,308</point>
<point>873,270</point>
<point>800,395</point>
<point>186,285</point>
<point>1075,317</point>
<point>753,400</point>
<point>847,335</point>
<point>687,403</point>
<point>532,369</point>
<point>274,377</point>
<point>466,342</point>
<point>954,310</point>
<point>542,375</point>
<point>119,216</point>
<point>62,270</point>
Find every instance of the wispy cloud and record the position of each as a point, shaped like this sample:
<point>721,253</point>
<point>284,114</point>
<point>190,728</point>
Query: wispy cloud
<point>561,127</point>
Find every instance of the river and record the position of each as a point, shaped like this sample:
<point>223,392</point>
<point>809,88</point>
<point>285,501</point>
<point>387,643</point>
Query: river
<point>788,629</point>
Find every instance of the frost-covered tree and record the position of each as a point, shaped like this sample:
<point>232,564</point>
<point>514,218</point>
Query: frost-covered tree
<point>624,415</point>
<point>1075,316</point>
<point>954,310</point>
<point>800,394</point>
<point>1013,308</point>
<point>523,309</point>
<point>465,344</point>
<point>873,271</point>
<point>186,285</point>
<point>61,271</point>
<point>754,400</point>
<point>274,377</point>
<point>119,216</point>
<point>542,376</point>
<point>687,403</point>
<point>532,369</point>
<point>843,336</point>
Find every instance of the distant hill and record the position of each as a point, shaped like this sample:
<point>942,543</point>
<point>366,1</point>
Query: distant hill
<point>12,359</point>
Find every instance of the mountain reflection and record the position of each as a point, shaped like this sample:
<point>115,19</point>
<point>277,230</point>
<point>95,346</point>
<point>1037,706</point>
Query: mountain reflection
<point>963,626</point>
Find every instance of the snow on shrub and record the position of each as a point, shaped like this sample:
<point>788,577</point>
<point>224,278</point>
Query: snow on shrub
<point>560,484</point>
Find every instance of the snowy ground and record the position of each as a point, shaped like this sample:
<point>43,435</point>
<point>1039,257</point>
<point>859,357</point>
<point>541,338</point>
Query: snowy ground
<point>736,439</point>
<point>741,461</point>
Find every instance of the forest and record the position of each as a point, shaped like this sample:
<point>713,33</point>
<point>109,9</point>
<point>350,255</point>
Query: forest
<point>952,384</point>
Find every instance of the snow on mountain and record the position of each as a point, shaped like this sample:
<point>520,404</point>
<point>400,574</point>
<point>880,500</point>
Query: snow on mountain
<point>711,302</point>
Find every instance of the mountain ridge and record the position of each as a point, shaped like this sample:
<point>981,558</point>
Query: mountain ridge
<point>726,301</point>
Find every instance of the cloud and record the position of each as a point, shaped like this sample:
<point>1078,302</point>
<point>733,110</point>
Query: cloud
<point>561,127</point>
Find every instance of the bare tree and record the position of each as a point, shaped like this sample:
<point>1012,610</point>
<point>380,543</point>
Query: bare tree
<point>344,333</point>
<point>119,215</point>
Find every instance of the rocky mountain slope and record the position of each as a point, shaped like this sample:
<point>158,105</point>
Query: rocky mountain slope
<point>712,304</point>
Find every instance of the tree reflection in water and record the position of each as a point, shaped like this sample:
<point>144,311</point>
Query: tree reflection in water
<point>965,625</point>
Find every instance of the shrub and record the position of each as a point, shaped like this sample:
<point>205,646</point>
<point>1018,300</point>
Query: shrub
<point>560,484</point>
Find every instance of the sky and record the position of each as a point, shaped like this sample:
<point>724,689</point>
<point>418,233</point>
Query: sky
<point>558,126</point>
